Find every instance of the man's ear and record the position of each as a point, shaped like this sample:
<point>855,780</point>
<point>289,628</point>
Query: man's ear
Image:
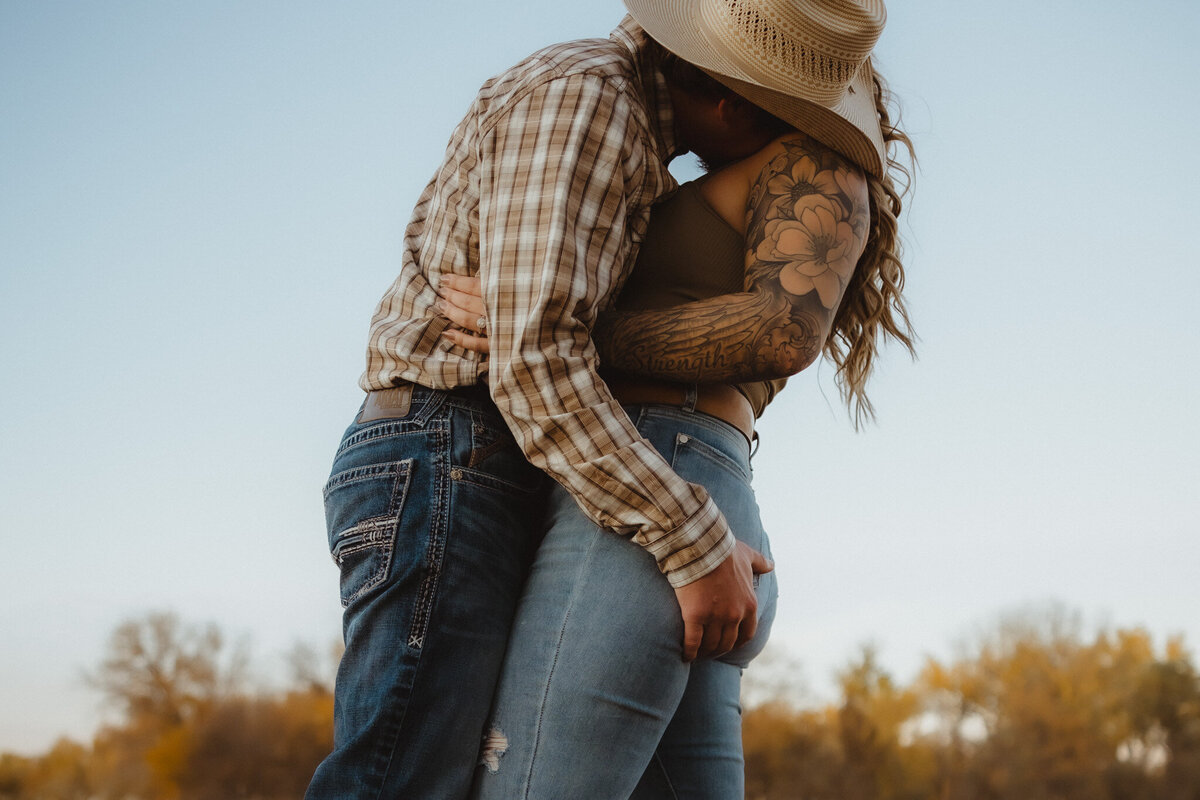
<point>726,110</point>
<point>735,112</point>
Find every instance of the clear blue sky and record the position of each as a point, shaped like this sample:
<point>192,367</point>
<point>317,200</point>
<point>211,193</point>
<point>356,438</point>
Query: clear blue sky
<point>201,203</point>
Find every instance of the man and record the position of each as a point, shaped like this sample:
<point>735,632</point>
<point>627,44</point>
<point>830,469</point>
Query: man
<point>433,509</point>
<point>544,192</point>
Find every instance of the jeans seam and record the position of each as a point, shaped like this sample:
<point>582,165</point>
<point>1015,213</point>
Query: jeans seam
<point>436,546</point>
<point>423,607</point>
<point>562,632</point>
<point>666,776</point>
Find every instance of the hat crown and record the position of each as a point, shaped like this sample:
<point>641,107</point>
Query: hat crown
<point>817,44</point>
<point>805,61</point>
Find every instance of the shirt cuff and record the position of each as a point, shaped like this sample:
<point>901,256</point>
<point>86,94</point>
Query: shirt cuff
<point>695,548</point>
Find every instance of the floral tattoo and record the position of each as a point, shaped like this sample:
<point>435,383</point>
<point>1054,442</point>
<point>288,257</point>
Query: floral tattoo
<point>808,220</point>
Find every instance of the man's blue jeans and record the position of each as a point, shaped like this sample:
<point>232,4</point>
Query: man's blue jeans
<point>433,519</point>
<point>595,700</point>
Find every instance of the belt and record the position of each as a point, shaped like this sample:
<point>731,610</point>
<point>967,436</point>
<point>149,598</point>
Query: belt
<point>715,399</point>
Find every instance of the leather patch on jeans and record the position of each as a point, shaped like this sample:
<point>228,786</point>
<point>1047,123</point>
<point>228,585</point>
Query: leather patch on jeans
<point>392,403</point>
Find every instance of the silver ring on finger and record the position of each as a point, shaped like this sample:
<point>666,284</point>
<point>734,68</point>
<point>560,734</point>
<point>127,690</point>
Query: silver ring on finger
<point>481,324</point>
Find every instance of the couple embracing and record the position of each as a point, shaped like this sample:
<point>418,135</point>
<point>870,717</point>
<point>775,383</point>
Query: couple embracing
<point>551,559</point>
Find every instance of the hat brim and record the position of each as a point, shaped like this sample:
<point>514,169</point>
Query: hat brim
<point>849,125</point>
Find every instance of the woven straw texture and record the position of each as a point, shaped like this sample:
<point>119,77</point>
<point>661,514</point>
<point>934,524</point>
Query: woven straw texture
<point>805,61</point>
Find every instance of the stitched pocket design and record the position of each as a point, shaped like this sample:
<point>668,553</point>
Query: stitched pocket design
<point>365,536</point>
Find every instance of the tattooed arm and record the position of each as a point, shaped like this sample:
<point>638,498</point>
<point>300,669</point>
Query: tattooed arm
<point>807,221</point>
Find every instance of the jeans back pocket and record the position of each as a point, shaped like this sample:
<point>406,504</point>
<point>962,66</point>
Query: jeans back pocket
<point>362,511</point>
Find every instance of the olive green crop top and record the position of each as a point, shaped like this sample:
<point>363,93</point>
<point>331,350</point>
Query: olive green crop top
<point>689,253</point>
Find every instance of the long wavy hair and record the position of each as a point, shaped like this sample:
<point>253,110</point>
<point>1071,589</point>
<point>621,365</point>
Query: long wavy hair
<point>873,307</point>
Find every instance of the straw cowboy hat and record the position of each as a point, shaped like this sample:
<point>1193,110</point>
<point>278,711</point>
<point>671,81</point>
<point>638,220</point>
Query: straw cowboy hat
<point>805,61</point>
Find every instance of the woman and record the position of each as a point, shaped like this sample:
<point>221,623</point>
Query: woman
<point>592,688</point>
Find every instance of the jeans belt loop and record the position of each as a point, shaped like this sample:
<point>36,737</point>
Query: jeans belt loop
<point>691,395</point>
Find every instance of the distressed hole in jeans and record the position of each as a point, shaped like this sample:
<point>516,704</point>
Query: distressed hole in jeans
<point>495,745</point>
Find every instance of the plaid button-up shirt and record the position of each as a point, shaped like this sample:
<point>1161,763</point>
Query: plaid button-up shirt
<point>545,193</point>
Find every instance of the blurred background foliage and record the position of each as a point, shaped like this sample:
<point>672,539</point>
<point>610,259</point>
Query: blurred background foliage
<point>1033,709</point>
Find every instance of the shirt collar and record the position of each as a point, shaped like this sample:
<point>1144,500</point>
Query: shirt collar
<point>652,82</point>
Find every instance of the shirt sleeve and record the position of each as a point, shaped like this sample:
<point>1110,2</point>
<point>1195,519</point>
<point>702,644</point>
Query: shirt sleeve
<point>562,177</point>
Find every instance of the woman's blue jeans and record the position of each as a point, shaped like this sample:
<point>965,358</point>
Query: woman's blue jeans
<point>595,700</point>
<point>433,519</point>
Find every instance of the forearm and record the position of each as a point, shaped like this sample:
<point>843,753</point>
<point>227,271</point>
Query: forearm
<point>749,336</point>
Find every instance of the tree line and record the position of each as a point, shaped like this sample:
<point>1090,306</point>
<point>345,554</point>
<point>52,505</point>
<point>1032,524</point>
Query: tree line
<point>1033,710</point>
